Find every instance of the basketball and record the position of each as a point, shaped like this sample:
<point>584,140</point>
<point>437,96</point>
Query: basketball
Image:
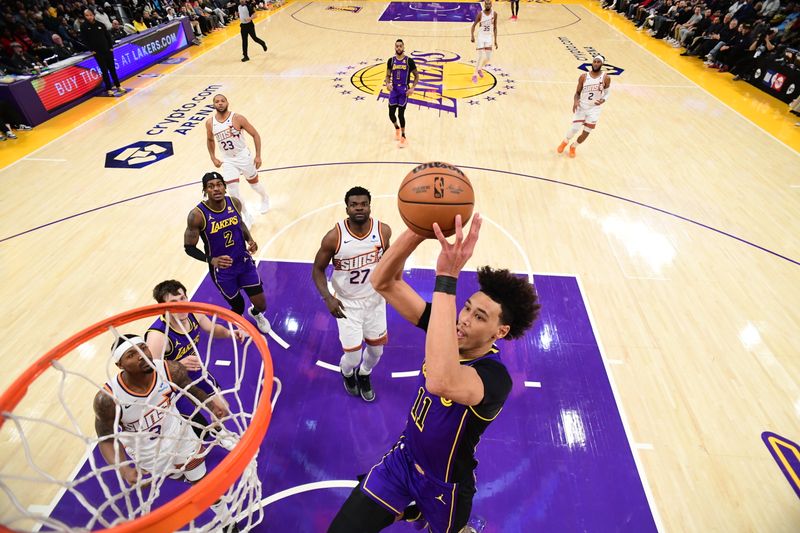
<point>435,192</point>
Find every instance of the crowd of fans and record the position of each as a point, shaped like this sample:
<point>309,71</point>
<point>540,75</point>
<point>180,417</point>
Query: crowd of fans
<point>34,33</point>
<point>729,35</point>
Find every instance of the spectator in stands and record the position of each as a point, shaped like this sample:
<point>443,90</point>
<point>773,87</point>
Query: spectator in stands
<point>746,12</point>
<point>117,32</point>
<point>138,22</point>
<point>22,62</point>
<point>735,49</point>
<point>101,16</point>
<point>98,40</point>
<point>769,8</point>
<point>61,49</point>
<point>762,45</point>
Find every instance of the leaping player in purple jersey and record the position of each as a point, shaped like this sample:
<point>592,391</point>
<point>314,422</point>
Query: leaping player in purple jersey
<point>398,70</point>
<point>228,245</point>
<point>462,388</point>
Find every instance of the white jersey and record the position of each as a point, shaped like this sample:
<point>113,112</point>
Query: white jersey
<point>355,258</point>
<point>592,90</point>
<point>145,417</point>
<point>229,140</point>
<point>486,24</point>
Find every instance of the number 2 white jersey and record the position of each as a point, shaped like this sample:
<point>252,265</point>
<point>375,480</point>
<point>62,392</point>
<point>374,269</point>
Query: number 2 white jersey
<point>145,418</point>
<point>229,140</point>
<point>592,90</point>
<point>355,259</point>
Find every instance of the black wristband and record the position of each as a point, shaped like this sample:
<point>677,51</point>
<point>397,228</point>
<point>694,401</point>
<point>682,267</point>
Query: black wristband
<point>445,284</point>
<point>193,251</point>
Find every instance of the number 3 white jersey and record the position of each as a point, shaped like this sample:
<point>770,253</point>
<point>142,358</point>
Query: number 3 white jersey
<point>146,418</point>
<point>229,140</point>
<point>592,90</point>
<point>355,259</point>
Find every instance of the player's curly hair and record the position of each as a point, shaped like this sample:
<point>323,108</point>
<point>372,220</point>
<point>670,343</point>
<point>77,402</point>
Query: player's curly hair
<point>519,303</point>
<point>357,191</point>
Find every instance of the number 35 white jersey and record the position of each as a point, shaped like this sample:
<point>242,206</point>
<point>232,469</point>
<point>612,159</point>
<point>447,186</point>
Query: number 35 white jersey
<point>229,140</point>
<point>355,259</point>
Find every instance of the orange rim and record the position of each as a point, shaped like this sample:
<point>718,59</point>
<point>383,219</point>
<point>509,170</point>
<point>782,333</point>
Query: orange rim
<point>176,513</point>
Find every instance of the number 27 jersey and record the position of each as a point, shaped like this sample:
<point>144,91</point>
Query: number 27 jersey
<point>355,259</point>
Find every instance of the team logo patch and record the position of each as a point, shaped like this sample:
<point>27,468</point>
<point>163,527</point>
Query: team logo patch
<point>611,70</point>
<point>444,82</point>
<point>139,154</point>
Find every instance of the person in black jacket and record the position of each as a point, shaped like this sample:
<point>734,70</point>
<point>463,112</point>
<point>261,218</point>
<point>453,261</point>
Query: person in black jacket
<point>96,37</point>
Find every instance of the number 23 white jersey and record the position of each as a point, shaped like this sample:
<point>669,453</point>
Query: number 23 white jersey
<point>229,140</point>
<point>355,259</point>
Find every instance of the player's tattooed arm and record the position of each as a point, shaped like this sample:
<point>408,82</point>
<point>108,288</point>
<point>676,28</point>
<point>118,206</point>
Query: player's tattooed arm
<point>180,377</point>
<point>105,410</point>
<point>194,224</point>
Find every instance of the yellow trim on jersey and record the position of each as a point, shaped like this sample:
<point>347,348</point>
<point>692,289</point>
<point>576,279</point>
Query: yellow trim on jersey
<point>214,210</point>
<point>453,449</point>
<point>479,416</point>
<point>205,223</point>
<point>167,352</point>
<point>452,508</point>
<point>364,486</point>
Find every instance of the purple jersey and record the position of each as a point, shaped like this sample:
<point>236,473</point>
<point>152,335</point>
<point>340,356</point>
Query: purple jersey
<point>401,70</point>
<point>177,343</point>
<point>442,435</point>
<point>222,232</point>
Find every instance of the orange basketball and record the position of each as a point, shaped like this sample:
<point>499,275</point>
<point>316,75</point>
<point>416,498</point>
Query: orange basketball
<point>435,192</point>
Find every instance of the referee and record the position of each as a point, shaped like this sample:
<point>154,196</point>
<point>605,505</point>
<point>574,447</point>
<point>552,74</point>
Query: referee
<point>248,28</point>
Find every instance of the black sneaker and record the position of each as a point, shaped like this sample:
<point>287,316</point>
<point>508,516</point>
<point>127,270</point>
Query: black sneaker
<point>350,383</point>
<point>245,58</point>
<point>365,387</point>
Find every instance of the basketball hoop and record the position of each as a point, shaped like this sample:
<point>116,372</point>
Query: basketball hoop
<point>44,434</point>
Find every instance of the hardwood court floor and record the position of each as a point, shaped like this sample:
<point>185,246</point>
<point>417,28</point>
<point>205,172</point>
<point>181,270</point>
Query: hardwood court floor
<point>679,217</point>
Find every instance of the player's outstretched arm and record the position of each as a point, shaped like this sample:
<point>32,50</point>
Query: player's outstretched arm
<point>180,377</point>
<point>446,377</point>
<point>387,279</point>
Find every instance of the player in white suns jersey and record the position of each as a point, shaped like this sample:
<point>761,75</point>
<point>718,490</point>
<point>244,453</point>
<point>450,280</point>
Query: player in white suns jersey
<point>592,92</point>
<point>137,409</point>
<point>355,245</point>
<point>486,21</point>
<point>225,129</point>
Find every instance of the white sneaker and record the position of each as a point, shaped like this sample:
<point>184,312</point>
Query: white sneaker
<point>264,205</point>
<point>261,321</point>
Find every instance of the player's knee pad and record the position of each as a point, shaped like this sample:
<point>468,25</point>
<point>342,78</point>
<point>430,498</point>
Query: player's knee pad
<point>237,303</point>
<point>587,128</point>
<point>254,290</point>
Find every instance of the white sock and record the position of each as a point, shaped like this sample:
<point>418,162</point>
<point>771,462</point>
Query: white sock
<point>372,354</point>
<point>572,131</point>
<point>259,188</point>
<point>349,362</point>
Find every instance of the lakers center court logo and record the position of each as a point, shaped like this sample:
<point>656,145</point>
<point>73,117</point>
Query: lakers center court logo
<point>444,82</point>
<point>139,154</point>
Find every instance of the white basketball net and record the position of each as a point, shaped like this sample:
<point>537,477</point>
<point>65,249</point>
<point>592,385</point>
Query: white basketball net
<point>53,478</point>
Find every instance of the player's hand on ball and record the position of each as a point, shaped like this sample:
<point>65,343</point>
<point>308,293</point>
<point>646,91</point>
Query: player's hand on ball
<point>223,261</point>
<point>217,162</point>
<point>252,247</point>
<point>454,256</point>
<point>335,307</point>
<point>191,362</point>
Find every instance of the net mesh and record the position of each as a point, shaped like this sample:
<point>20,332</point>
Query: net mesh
<point>53,476</point>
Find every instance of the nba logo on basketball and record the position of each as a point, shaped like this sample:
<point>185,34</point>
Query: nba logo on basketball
<point>438,187</point>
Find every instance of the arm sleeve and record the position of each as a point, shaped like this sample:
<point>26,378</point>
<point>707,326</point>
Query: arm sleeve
<point>425,318</point>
